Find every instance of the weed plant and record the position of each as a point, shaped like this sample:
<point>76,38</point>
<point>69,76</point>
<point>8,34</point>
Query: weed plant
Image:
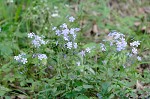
<point>44,53</point>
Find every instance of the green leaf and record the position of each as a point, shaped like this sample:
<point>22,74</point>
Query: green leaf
<point>71,94</point>
<point>7,97</point>
<point>105,87</point>
<point>87,86</point>
<point>5,49</point>
<point>82,97</point>
<point>3,90</point>
<point>79,88</point>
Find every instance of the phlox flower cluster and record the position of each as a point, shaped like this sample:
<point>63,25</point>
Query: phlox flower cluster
<point>37,41</point>
<point>87,50</point>
<point>103,47</point>
<point>134,46</point>
<point>118,40</point>
<point>42,56</point>
<point>21,58</point>
<point>69,35</point>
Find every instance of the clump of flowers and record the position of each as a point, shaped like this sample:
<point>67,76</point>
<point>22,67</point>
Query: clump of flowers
<point>87,50</point>
<point>37,41</point>
<point>68,34</point>
<point>21,58</point>
<point>118,40</point>
<point>40,56</point>
<point>134,46</point>
<point>103,47</point>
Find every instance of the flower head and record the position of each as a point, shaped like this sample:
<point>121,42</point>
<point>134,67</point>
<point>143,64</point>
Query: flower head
<point>71,19</point>
<point>21,58</point>
<point>37,40</point>
<point>134,50</point>
<point>118,40</point>
<point>64,25</point>
<point>82,53</point>
<point>69,45</point>
<point>75,45</point>
<point>139,58</point>
<point>24,60</point>
<point>30,35</point>
<point>58,32</point>
<point>88,50</point>
<point>42,56</point>
<point>103,48</point>
<point>54,28</point>
<point>135,43</point>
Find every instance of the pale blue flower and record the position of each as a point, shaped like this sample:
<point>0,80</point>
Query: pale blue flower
<point>71,19</point>
<point>74,36</point>
<point>121,45</point>
<point>37,41</point>
<point>75,45</point>
<point>129,54</point>
<point>82,53</point>
<point>54,28</point>
<point>58,32</point>
<point>134,50</point>
<point>65,32</point>
<point>69,45</point>
<point>24,60</point>
<point>31,35</point>
<point>139,58</point>
<point>21,58</point>
<point>64,26</point>
<point>66,38</point>
<point>118,39</point>
<point>72,30</point>
<point>88,50</point>
<point>135,43</point>
<point>77,29</point>
<point>103,48</point>
<point>42,56</point>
